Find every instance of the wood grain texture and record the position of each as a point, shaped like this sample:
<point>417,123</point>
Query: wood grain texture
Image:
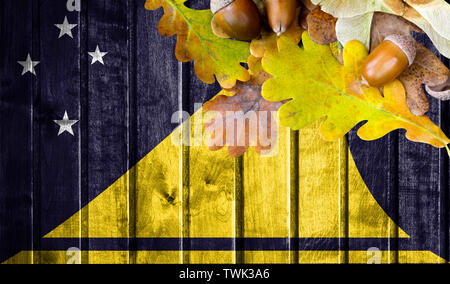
<point>266,190</point>
<point>56,184</point>
<point>16,115</point>
<point>127,181</point>
<point>158,209</point>
<point>211,199</point>
<point>319,198</point>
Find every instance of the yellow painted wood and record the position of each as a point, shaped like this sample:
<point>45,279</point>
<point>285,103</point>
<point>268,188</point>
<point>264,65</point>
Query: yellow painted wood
<point>23,257</point>
<point>343,197</point>
<point>211,200</point>
<point>324,200</point>
<point>96,222</point>
<point>319,199</point>
<point>319,185</point>
<point>266,181</point>
<point>158,257</point>
<point>307,257</point>
<point>158,203</point>
<point>375,224</point>
<point>208,186</point>
<point>419,257</point>
<point>326,190</point>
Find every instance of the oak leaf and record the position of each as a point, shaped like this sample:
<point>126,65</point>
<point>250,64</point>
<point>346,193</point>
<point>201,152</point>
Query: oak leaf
<point>241,117</point>
<point>321,26</point>
<point>441,92</point>
<point>213,56</point>
<point>318,87</point>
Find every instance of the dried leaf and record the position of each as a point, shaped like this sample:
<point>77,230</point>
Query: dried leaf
<point>355,28</point>
<point>426,69</point>
<point>321,26</point>
<point>438,33</point>
<point>431,15</point>
<point>435,12</point>
<point>319,87</point>
<point>352,8</point>
<point>213,56</point>
<point>241,117</point>
<point>441,92</point>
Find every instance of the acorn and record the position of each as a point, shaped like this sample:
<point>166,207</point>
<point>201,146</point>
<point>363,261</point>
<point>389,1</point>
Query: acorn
<point>238,19</point>
<point>389,59</point>
<point>281,14</point>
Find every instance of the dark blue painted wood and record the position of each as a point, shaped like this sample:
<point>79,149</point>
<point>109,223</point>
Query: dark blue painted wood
<point>157,81</point>
<point>16,96</point>
<point>56,158</point>
<point>108,96</point>
<point>410,180</point>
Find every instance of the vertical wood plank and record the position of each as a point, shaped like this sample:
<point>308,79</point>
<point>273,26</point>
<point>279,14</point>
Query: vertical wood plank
<point>419,191</point>
<point>238,217</point>
<point>158,190</point>
<point>56,158</point>
<point>294,195</point>
<point>16,99</point>
<point>185,174</point>
<point>377,157</point>
<point>320,202</point>
<point>132,128</point>
<point>84,130</point>
<point>343,200</point>
<point>208,179</point>
<point>426,219</point>
<point>267,191</point>
<point>210,185</point>
<point>108,113</point>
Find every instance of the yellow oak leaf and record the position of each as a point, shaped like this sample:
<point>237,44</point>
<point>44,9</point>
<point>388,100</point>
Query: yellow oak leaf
<point>213,56</point>
<point>318,87</point>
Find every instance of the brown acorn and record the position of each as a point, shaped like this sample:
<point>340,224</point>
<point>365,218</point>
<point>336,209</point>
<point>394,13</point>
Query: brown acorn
<point>281,14</point>
<point>238,19</point>
<point>388,60</point>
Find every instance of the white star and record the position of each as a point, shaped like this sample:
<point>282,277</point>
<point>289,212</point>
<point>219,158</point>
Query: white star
<point>65,28</point>
<point>97,55</point>
<point>28,65</point>
<point>65,124</point>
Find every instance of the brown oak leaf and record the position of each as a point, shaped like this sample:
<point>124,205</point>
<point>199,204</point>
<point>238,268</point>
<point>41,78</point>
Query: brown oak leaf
<point>427,68</point>
<point>441,92</point>
<point>241,117</point>
<point>321,26</point>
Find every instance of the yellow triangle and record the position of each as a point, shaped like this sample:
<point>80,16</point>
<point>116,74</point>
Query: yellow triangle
<point>157,182</point>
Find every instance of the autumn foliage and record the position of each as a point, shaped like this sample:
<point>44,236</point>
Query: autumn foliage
<point>308,76</point>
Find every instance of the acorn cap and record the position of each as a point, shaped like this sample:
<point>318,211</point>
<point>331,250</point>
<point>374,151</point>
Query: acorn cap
<point>406,44</point>
<point>216,5</point>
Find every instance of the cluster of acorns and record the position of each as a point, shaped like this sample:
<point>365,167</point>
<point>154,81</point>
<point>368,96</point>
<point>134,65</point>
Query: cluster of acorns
<point>241,20</point>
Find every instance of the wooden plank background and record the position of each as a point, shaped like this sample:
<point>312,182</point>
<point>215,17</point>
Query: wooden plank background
<point>307,196</point>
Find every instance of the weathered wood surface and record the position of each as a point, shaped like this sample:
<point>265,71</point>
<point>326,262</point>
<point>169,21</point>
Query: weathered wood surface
<point>178,204</point>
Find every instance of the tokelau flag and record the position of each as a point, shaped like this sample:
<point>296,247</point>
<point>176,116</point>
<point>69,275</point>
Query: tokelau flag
<point>108,155</point>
